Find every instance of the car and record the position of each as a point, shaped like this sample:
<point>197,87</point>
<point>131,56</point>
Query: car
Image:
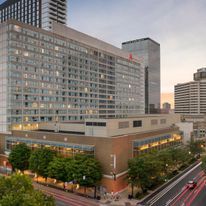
<point>191,184</point>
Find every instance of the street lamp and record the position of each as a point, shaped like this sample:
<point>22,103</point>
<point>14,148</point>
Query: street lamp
<point>84,178</point>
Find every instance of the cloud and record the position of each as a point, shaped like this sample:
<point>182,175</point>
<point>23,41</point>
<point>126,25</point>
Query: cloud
<point>179,26</point>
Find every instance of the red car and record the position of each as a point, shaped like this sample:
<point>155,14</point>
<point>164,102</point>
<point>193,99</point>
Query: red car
<point>191,184</point>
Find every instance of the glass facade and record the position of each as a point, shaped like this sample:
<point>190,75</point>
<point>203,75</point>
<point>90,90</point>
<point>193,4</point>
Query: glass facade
<point>148,52</point>
<point>65,149</point>
<point>39,13</point>
<point>53,78</point>
<point>27,11</point>
<point>142,146</point>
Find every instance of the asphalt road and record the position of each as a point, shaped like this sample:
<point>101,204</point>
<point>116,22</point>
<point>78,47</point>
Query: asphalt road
<point>61,203</point>
<point>200,199</point>
<point>64,198</point>
<point>177,194</point>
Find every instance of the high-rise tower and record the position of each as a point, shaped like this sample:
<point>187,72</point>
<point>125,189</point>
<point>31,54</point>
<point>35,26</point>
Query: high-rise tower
<point>148,52</point>
<point>39,13</point>
<point>190,97</point>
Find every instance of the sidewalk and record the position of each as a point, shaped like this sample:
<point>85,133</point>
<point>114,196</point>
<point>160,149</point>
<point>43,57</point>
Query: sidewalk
<point>122,201</point>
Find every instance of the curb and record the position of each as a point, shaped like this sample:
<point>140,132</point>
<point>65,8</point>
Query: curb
<point>153,193</point>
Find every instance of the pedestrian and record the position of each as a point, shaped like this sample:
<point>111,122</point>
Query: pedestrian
<point>112,195</point>
<point>105,195</point>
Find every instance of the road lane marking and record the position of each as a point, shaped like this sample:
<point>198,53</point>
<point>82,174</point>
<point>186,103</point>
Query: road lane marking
<point>166,190</point>
<point>194,191</point>
<point>180,196</point>
<point>200,174</point>
<point>198,191</point>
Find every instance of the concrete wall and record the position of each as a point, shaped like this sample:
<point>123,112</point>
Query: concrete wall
<point>112,128</point>
<point>187,129</point>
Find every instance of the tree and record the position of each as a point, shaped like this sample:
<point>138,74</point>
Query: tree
<point>146,171</point>
<point>86,171</point>
<point>165,158</point>
<point>17,190</point>
<point>19,157</point>
<point>154,168</point>
<point>136,175</point>
<point>196,147</point>
<point>39,161</point>
<point>203,165</point>
<point>58,169</point>
<point>90,172</point>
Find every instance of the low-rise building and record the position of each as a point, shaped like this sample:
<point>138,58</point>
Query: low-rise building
<point>112,141</point>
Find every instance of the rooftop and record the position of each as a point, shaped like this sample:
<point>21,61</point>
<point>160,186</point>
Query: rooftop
<point>139,40</point>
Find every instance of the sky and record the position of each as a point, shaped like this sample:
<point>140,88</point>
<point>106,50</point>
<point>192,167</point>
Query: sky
<point>178,25</point>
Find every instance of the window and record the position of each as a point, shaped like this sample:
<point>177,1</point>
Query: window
<point>123,125</point>
<point>163,121</point>
<point>98,124</point>
<point>154,122</point>
<point>137,123</point>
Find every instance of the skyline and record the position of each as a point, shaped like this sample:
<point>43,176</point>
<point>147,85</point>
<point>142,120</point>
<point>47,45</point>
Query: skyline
<point>177,26</point>
<point>167,22</point>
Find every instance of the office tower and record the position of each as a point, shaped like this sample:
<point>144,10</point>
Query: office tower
<point>190,97</point>
<point>39,13</point>
<point>166,108</point>
<point>148,52</point>
<point>63,75</point>
<point>166,105</point>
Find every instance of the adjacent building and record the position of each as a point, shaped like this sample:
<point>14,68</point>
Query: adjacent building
<point>112,141</point>
<point>148,52</point>
<point>166,108</point>
<point>190,97</point>
<point>39,13</point>
<point>62,76</point>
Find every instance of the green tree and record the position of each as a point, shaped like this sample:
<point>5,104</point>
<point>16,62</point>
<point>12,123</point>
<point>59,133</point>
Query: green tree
<point>138,173</point>
<point>58,169</point>
<point>89,172</point>
<point>203,165</point>
<point>165,159</point>
<point>154,168</point>
<point>19,157</point>
<point>39,161</point>
<point>196,147</point>
<point>17,190</point>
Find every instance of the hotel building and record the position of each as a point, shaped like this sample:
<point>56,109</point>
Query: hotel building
<point>39,13</point>
<point>63,75</point>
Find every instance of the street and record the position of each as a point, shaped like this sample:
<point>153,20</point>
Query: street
<point>64,198</point>
<point>179,194</point>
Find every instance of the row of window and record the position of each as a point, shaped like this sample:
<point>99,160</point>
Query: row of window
<point>98,124</point>
<point>138,123</point>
